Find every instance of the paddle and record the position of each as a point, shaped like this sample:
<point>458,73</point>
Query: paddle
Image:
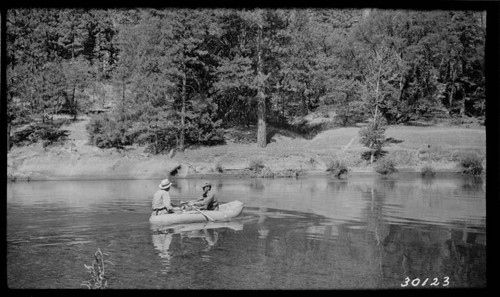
<point>206,216</point>
<point>198,210</point>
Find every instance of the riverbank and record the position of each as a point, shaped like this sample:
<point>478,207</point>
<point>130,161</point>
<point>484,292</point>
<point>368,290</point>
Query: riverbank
<point>287,154</point>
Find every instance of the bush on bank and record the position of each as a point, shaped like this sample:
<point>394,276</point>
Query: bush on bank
<point>337,167</point>
<point>471,163</point>
<point>385,166</point>
<point>427,171</point>
<point>48,132</point>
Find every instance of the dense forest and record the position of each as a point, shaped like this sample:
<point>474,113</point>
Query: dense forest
<point>181,76</point>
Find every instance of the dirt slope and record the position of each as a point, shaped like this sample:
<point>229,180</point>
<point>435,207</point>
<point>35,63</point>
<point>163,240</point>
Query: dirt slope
<point>409,147</point>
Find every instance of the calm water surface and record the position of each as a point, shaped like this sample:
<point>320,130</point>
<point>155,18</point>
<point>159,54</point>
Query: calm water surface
<point>306,233</point>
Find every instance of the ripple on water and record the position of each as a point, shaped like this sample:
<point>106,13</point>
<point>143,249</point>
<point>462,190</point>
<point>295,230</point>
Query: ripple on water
<point>300,233</point>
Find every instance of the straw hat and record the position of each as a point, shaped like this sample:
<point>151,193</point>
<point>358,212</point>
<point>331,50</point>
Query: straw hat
<point>165,184</point>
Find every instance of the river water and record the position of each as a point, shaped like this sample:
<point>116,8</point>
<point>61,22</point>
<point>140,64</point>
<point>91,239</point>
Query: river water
<point>305,233</point>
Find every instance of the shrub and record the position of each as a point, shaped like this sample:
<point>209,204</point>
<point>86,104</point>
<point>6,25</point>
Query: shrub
<point>218,166</point>
<point>288,173</point>
<point>385,166</point>
<point>106,132</point>
<point>48,132</point>
<point>257,168</point>
<point>204,128</point>
<point>156,127</point>
<point>372,136</point>
<point>337,167</point>
<point>427,171</point>
<point>158,140</point>
<point>347,111</point>
<point>51,133</point>
<point>256,165</point>
<point>11,178</point>
<point>471,164</point>
<point>264,172</point>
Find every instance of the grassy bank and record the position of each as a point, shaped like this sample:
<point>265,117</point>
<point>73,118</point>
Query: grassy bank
<point>287,154</point>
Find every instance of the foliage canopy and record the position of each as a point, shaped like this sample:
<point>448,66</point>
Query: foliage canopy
<point>180,76</point>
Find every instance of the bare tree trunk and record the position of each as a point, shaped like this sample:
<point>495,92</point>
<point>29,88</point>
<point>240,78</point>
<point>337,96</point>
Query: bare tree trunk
<point>261,98</point>
<point>123,91</point>
<point>261,119</point>
<point>375,114</point>
<point>74,103</point>
<point>283,112</point>
<point>156,141</point>
<point>452,90</point>
<point>377,93</point>
<point>183,111</point>
<point>462,109</point>
<point>372,154</point>
<point>450,98</point>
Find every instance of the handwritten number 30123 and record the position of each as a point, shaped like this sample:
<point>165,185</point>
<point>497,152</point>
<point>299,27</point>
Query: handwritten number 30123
<point>416,282</point>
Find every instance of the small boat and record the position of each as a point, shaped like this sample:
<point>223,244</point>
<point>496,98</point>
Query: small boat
<point>225,213</point>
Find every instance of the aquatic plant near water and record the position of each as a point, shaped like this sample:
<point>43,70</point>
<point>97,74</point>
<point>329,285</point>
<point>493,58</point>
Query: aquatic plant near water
<point>98,279</point>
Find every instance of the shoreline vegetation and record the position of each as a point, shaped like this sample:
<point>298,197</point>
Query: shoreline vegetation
<point>152,93</point>
<point>415,150</point>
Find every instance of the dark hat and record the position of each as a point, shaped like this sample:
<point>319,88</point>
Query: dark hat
<point>206,184</point>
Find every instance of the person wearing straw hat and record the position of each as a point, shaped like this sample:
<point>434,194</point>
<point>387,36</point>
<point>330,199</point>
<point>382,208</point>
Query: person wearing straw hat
<point>207,201</point>
<point>161,199</point>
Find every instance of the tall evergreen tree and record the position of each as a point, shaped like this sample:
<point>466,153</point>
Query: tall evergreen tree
<point>249,63</point>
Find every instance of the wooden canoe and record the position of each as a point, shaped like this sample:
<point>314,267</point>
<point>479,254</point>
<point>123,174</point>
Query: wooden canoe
<point>225,213</point>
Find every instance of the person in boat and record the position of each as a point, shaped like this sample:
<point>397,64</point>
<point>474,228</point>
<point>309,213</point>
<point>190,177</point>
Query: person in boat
<point>161,199</point>
<point>207,201</point>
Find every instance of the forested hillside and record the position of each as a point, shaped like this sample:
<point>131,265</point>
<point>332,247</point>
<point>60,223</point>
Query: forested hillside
<point>175,78</point>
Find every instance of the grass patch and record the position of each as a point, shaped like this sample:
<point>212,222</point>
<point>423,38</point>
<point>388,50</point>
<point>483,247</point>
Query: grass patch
<point>385,166</point>
<point>264,172</point>
<point>405,157</point>
<point>256,168</point>
<point>445,137</point>
<point>471,163</point>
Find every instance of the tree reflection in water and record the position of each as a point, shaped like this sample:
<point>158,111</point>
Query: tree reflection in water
<point>305,233</point>
<point>423,250</point>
